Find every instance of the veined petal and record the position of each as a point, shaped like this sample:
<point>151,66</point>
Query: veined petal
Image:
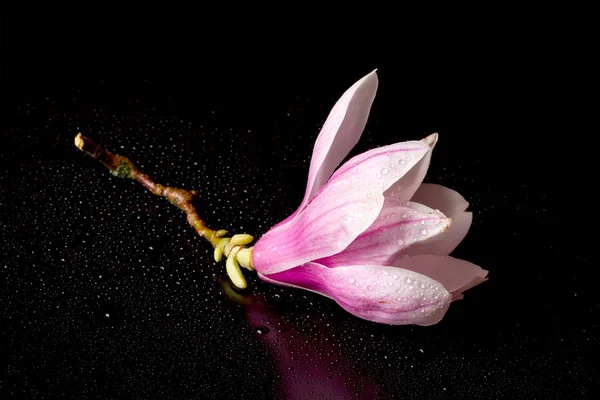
<point>328,224</point>
<point>456,275</point>
<point>405,187</point>
<point>452,204</point>
<point>384,165</point>
<point>442,198</point>
<point>340,132</point>
<point>376,293</point>
<point>397,227</point>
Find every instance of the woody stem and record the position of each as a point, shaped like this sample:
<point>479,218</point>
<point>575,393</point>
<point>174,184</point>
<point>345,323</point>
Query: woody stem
<point>122,167</point>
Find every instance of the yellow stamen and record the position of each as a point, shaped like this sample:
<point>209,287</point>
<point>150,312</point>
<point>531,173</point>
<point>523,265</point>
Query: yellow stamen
<point>234,271</point>
<point>244,257</point>
<point>218,254</point>
<point>241,239</point>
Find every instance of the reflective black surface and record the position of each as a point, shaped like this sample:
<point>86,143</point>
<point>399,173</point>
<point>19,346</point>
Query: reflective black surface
<point>107,292</point>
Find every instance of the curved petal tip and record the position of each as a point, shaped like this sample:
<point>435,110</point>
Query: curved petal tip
<point>431,140</point>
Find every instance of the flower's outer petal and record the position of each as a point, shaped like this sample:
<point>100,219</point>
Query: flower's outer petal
<point>376,293</point>
<point>340,132</point>
<point>397,227</point>
<point>439,197</point>
<point>456,275</point>
<point>329,223</point>
<point>453,205</point>
<point>384,165</point>
<point>405,187</point>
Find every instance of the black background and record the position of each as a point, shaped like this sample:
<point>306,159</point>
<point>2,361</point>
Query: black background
<point>107,293</point>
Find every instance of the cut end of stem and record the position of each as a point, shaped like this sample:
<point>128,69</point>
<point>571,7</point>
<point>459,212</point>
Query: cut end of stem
<point>79,141</point>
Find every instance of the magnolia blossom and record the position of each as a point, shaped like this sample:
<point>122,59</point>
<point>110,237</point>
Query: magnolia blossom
<point>371,235</point>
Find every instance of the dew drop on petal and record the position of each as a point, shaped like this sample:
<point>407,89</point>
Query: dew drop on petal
<point>400,242</point>
<point>422,221</point>
<point>370,287</point>
<point>386,273</point>
<point>401,162</point>
<point>403,215</point>
<point>378,176</point>
<point>407,280</point>
<point>384,171</point>
<point>423,232</point>
<point>395,276</point>
<point>351,280</point>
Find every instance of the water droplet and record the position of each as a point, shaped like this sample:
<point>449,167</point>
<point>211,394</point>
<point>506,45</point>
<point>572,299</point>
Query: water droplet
<point>423,232</point>
<point>370,287</point>
<point>386,273</point>
<point>356,284</point>
<point>422,222</point>
<point>400,242</point>
<point>422,286</point>
<point>261,330</point>
<point>385,171</point>
<point>389,283</point>
<point>401,162</point>
<point>407,280</point>
<point>351,280</point>
<point>392,166</point>
<point>411,287</point>
<point>395,276</point>
<point>403,215</point>
<point>378,176</point>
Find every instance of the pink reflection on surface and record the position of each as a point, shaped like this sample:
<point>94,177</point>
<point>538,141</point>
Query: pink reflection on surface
<point>308,364</point>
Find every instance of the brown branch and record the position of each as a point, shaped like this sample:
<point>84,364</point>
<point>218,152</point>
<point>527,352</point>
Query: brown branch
<point>122,167</point>
<point>233,248</point>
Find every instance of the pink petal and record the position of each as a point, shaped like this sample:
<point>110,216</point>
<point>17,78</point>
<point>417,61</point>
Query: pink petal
<point>330,222</point>
<point>405,188</point>
<point>439,197</point>
<point>397,227</point>
<point>339,134</point>
<point>456,275</point>
<point>376,293</point>
<point>384,165</point>
<point>453,205</point>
